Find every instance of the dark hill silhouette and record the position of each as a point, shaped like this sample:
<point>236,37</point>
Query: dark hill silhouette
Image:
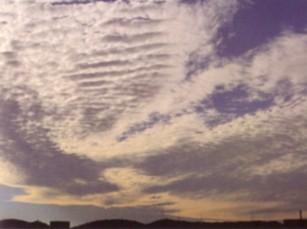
<point>16,223</point>
<point>13,223</point>
<point>178,224</point>
<point>169,223</point>
<point>112,223</point>
<point>162,224</point>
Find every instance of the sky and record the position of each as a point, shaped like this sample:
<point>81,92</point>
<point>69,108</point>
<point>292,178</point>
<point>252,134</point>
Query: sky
<point>147,109</point>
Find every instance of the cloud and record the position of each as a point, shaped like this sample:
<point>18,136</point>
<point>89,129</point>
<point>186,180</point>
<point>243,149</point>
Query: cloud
<point>42,162</point>
<point>140,103</point>
<point>253,149</point>
<point>75,2</point>
<point>234,167</point>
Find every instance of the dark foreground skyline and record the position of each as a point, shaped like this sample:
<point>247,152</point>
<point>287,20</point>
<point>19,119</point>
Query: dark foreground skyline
<point>150,109</point>
<point>163,223</point>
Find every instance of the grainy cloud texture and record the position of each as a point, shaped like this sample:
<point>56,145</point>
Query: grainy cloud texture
<point>149,109</point>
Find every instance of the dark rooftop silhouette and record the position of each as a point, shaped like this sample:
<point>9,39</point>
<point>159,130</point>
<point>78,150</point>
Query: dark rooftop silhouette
<point>59,224</point>
<point>16,223</point>
<point>111,223</point>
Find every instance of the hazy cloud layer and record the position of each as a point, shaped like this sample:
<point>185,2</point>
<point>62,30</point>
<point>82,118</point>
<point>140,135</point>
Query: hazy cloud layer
<point>165,106</point>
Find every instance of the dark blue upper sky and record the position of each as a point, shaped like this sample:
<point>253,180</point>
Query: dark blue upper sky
<point>258,22</point>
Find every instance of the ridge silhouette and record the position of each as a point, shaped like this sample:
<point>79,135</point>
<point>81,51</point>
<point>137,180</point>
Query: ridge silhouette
<point>162,223</point>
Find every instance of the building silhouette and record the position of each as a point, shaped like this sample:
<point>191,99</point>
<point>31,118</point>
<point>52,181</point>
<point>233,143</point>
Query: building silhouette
<point>300,222</point>
<point>59,224</point>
